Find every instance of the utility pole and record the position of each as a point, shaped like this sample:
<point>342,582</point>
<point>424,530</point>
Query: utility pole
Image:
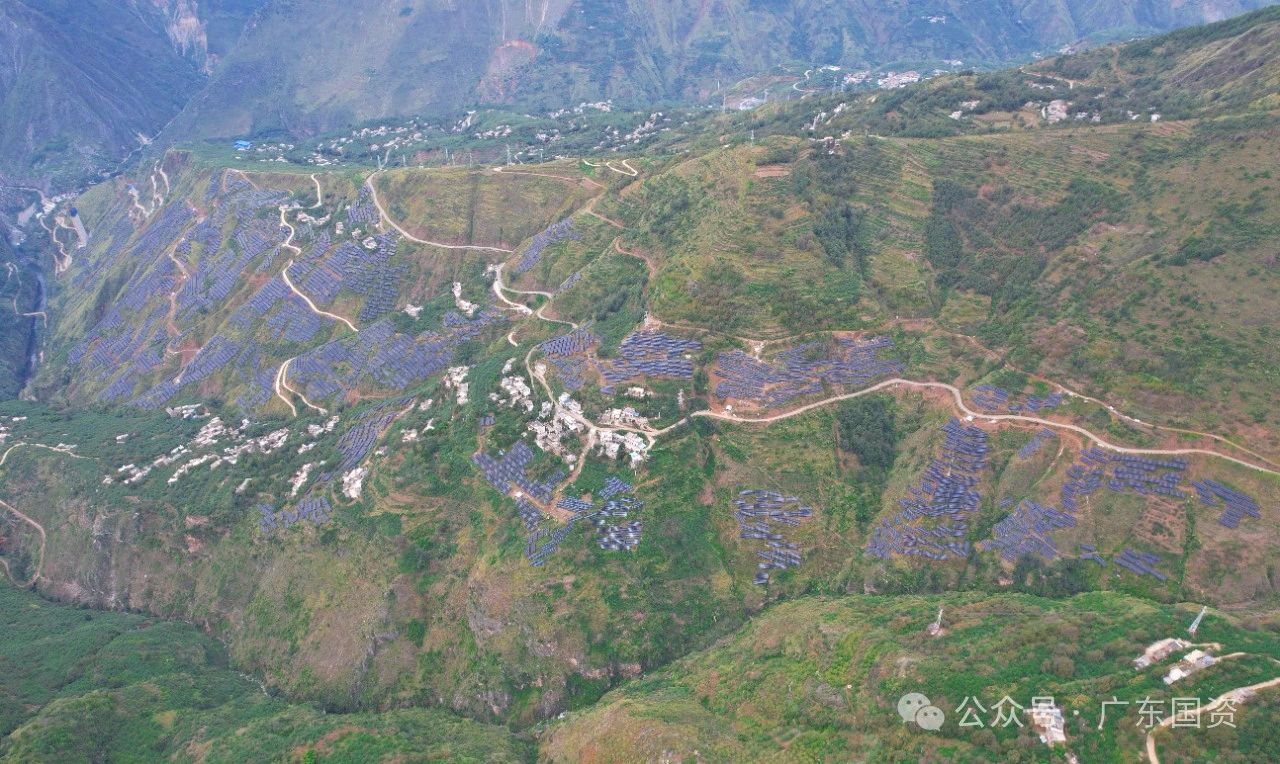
<point>1195,625</point>
<point>935,628</point>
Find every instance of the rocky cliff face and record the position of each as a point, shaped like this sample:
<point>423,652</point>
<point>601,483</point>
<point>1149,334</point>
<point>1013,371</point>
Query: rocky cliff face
<point>186,30</point>
<point>83,84</point>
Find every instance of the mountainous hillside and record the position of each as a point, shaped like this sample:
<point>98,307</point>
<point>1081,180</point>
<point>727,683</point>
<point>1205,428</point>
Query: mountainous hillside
<point>820,680</point>
<point>85,686</point>
<point>81,83</point>
<point>404,428</point>
<point>88,81</point>
<point>638,52</point>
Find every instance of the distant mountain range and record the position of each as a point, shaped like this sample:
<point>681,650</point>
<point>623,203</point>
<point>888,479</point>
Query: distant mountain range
<point>88,81</point>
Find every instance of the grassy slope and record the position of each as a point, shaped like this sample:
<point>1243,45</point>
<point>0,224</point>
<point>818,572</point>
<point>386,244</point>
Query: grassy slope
<point>818,679</point>
<point>84,686</point>
<point>433,557</point>
<point>1133,260</point>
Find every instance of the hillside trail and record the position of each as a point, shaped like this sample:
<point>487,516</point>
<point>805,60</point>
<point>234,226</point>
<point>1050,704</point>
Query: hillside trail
<point>242,174</point>
<point>40,558</point>
<point>277,385</point>
<point>627,169</point>
<point>282,383</point>
<point>499,288</point>
<point>590,209</point>
<point>796,85</point>
<point>21,444</point>
<point>326,314</point>
<point>1071,84</point>
<point>373,192</point>
<point>171,318</point>
<point>576,181</point>
<point>930,324</point>
<point>12,271</point>
<point>39,528</point>
<point>648,264</point>
<point>1237,695</point>
<point>758,344</point>
<point>61,261</point>
<point>288,242</point>
<point>319,193</point>
<point>966,411</point>
<point>955,392</point>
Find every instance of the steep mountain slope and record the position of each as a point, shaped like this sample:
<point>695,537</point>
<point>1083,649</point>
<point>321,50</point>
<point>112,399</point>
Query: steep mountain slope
<point>820,679</point>
<point>81,83</point>
<point>498,439</point>
<point>87,81</point>
<point>83,686</point>
<point>428,58</point>
<point>17,297</point>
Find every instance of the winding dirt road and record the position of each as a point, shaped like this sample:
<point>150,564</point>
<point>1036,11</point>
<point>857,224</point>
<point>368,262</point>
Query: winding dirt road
<point>39,528</point>
<point>373,192</point>
<point>40,558</point>
<point>64,451</point>
<point>282,383</point>
<point>319,193</point>
<point>279,387</point>
<point>1238,695</point>
<point>288,242</point>
<point>955,392</point>
<point>964,409</point>
<point>575,181</point>
<point>285,275</point>
<point>627,169</point>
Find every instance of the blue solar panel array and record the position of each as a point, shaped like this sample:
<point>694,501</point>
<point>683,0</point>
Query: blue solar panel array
<point>510,470</point>
<point>617,538</point>
<point>1037,442</point>
<point>759,512</point>
<point>568,353</point>
<point>543,542</point>
<point>1090,552</point>
<point>1027,530</point>
<point>363,212</point>
<point>554,233</point>
<point>574,505</point>
<point>568,283</point>
<point>576,342</point>
<point>803,370</point>
<point>356,443</point>
<point>934,518</point>
<point>313,508</point>
<point>649,354</point>
<point>1146,476</point>
<point>259,381</point>
<point>991,398</point>
<point>1081,483</point>
<point>613,486</point>
<point>1142,563</point>
<point>379,356</point>
<point>1236,505</point>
